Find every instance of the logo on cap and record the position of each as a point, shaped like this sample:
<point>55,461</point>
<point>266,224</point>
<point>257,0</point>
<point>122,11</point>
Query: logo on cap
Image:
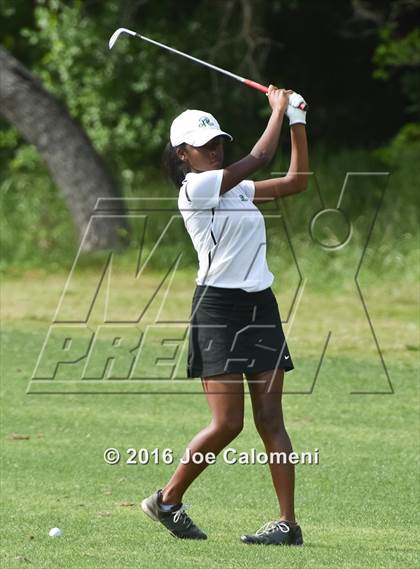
<point>205,121</point>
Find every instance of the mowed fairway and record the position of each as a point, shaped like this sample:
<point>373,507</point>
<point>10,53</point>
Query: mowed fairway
<point>358,507</point>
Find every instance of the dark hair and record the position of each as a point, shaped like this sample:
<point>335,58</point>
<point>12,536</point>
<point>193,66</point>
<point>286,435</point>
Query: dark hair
<point>173,166</point>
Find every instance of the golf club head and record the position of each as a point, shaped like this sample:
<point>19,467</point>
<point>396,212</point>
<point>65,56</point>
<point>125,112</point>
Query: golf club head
<point>116,35</point>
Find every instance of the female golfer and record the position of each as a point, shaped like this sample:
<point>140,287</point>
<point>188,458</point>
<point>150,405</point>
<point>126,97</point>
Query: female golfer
<point>235,322</point>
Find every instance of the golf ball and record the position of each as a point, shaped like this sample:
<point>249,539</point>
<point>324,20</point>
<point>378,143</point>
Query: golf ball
<point>54,532</point>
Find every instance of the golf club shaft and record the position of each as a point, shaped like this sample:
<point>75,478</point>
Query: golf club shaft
<point>248,82</point>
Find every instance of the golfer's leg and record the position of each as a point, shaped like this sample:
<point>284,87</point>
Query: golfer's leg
<point>225,397</point>
<point>268,417</point>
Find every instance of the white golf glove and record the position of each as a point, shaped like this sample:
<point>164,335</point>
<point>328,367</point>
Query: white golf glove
<point>295,114</point>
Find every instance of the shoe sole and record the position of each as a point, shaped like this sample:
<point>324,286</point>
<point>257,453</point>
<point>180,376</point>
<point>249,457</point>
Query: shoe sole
<point>276,544</point>
<point>295,544</point>
<point>148,511</point>
<point>152,516</point>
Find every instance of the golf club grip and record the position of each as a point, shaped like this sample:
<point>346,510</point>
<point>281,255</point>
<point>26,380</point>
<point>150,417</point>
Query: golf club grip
<point>264,89</point>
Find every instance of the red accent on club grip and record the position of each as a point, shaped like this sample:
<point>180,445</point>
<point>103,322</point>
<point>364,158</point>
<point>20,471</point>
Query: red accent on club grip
<point>264,89</point>
<point>255,85</point>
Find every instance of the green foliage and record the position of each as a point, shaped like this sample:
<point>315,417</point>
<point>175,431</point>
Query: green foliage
<point>404,149</point>
<point>113,106</point>
<point>397,58</point>
<point>400,54</point>
<point>126,98</point>
<point>395,52</point>
<point>397,55</point>
<point>37,229</point>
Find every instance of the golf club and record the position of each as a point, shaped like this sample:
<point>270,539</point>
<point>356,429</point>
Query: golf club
<point>247,82</point>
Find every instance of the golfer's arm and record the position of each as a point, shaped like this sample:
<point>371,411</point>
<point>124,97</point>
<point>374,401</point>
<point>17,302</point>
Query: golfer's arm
<point>299,160</point>
<point>260,155</point>
<point>296,179</point>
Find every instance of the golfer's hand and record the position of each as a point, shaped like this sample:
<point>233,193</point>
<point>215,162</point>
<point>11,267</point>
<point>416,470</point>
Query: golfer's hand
<point>278,98</point>
<point>295,114</point>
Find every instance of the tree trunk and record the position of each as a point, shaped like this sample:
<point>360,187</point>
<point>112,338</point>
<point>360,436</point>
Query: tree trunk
<point>73,163</point>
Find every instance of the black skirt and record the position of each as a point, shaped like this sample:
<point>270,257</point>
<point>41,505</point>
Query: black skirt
<point>235,331</point>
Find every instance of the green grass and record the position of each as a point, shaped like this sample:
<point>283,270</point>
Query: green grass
<point>358,507</point>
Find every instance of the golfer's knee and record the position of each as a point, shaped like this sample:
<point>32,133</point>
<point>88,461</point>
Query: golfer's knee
<point>229,427</point>
<point>269,422</point>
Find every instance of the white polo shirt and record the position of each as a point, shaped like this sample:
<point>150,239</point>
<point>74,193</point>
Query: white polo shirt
<point>227,231</point>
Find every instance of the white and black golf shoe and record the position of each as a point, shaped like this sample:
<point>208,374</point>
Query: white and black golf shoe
<point>275,533</point>
<point>175,520</point>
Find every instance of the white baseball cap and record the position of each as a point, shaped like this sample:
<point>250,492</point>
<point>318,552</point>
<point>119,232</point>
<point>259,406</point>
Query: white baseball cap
<point>195,128</point>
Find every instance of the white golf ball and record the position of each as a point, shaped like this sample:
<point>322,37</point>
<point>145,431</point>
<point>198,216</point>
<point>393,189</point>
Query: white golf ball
<point>55,532</point>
